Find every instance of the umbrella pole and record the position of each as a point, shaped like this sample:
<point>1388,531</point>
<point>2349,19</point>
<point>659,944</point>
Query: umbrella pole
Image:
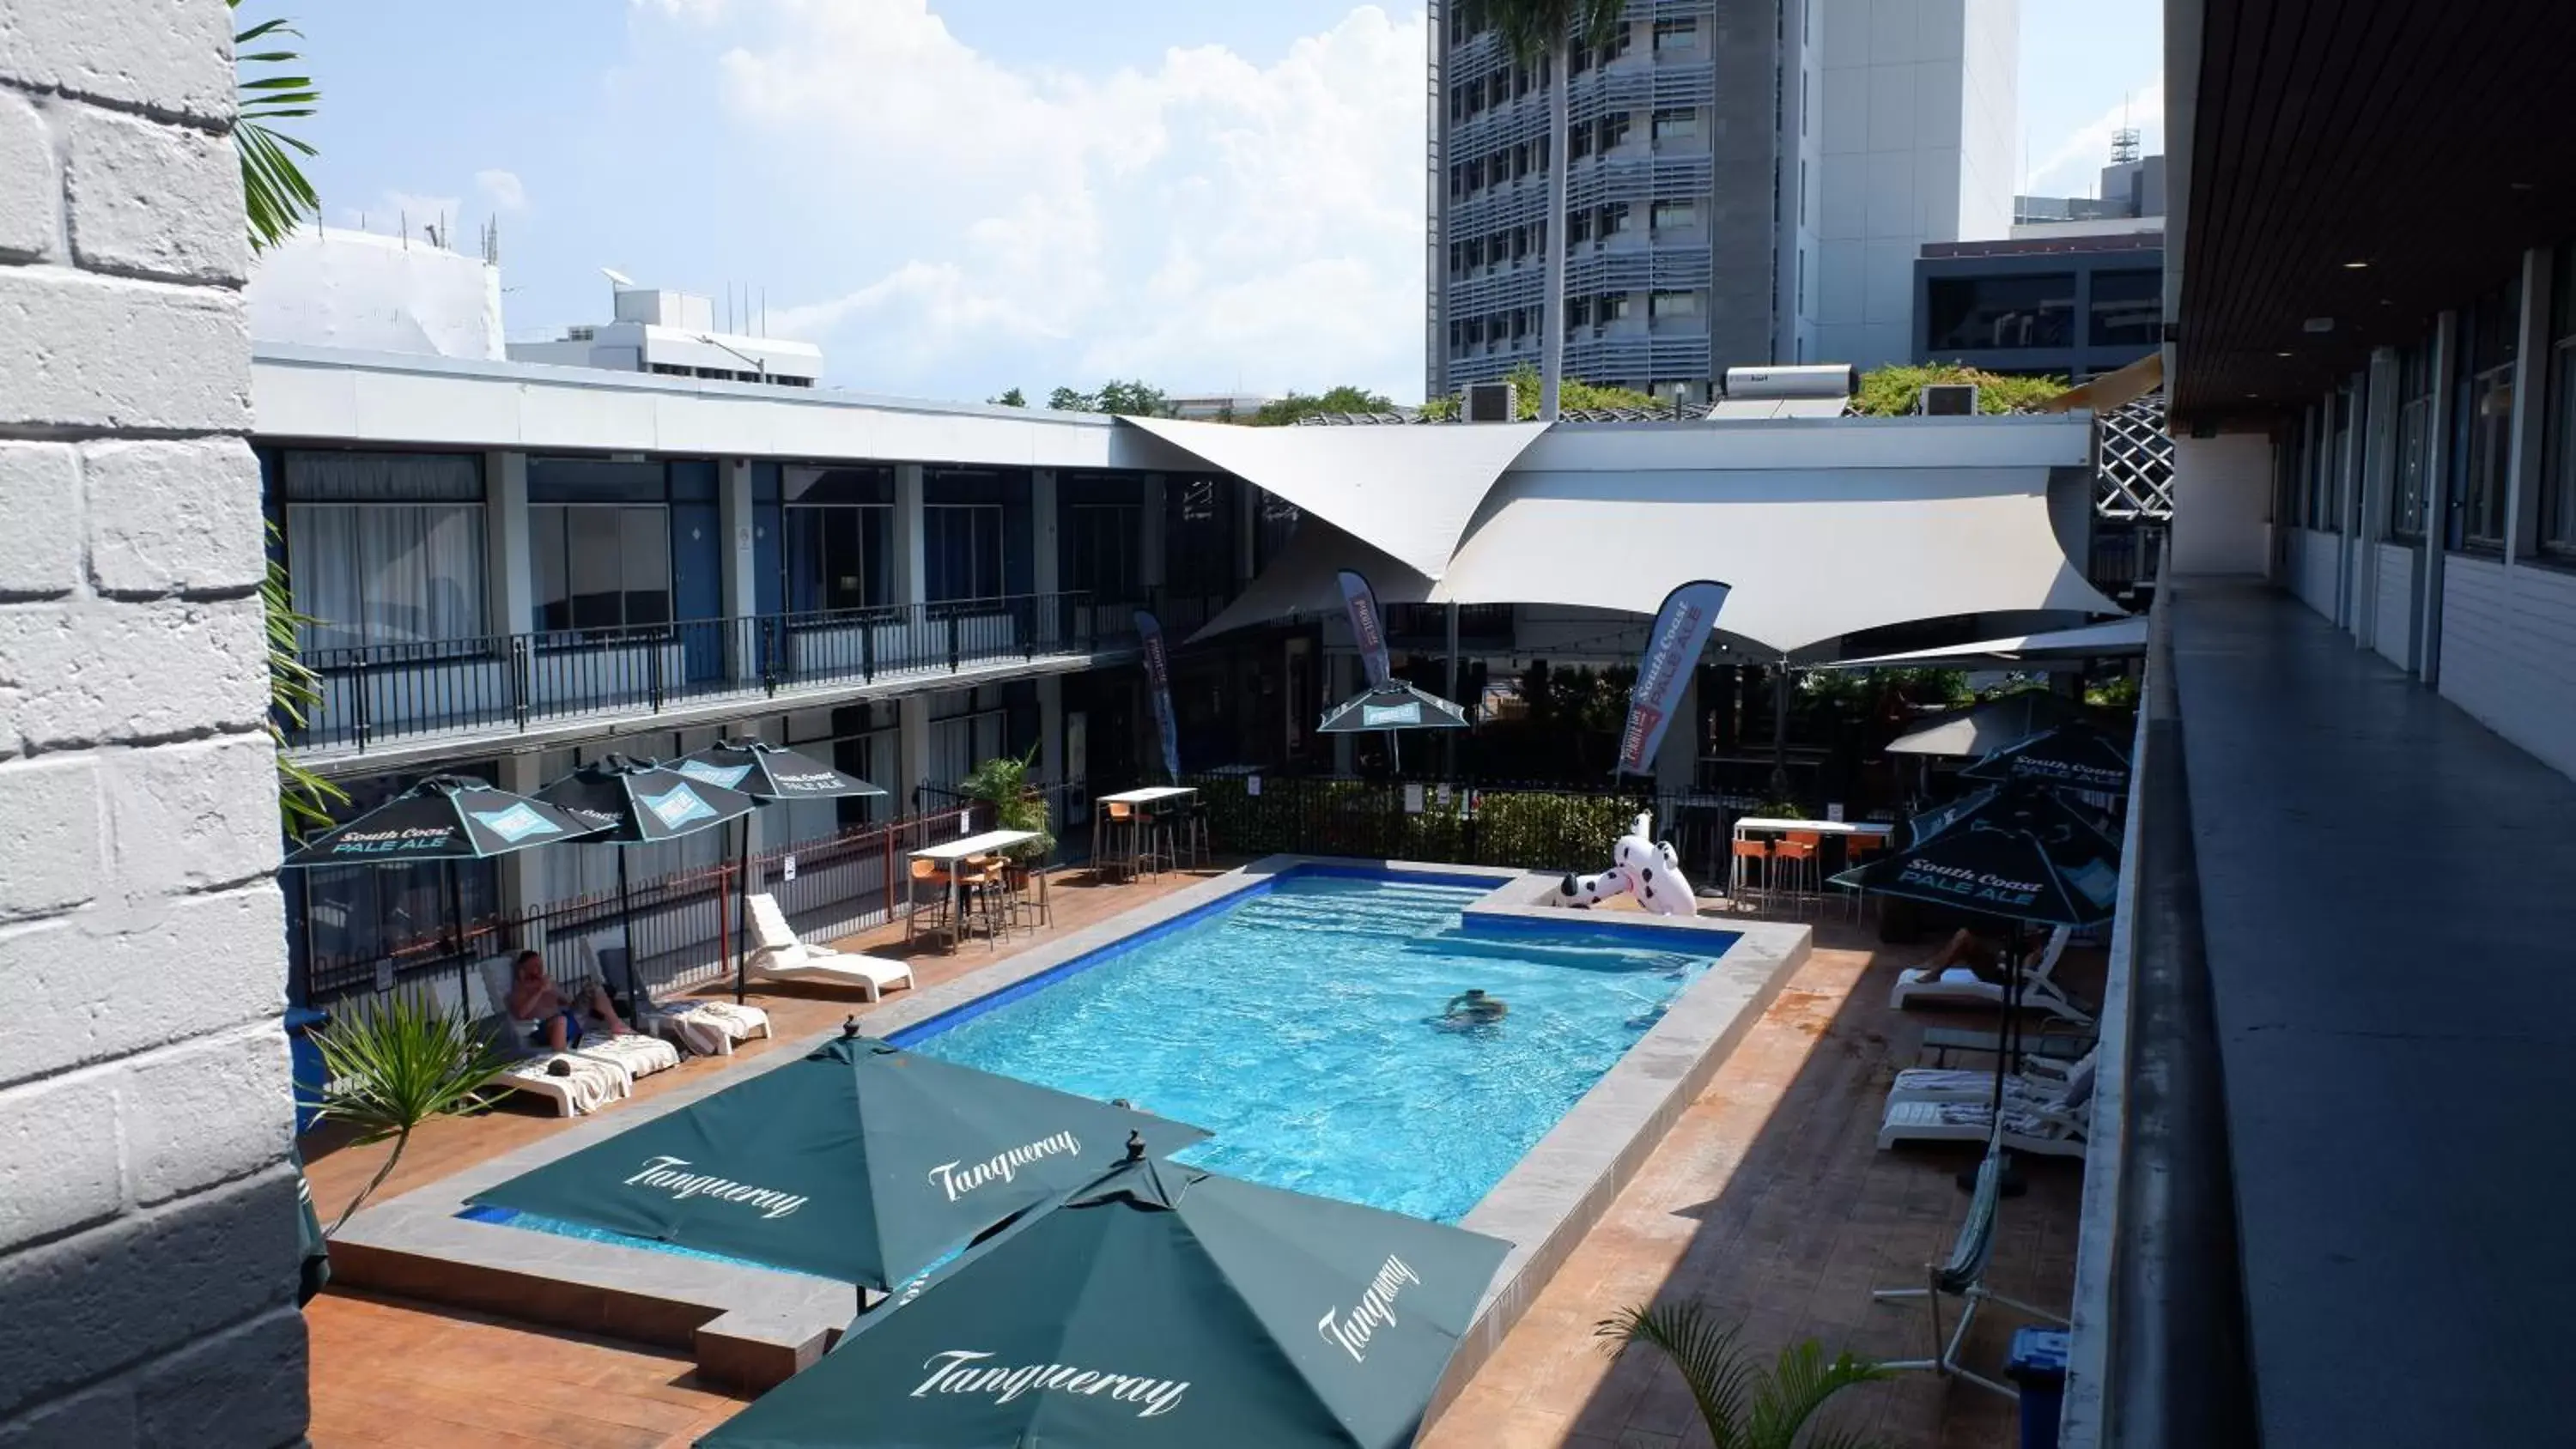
<point>456,918</point>
<point>2007,1051</point>
<point>742,890</point>
<point>626,923</point>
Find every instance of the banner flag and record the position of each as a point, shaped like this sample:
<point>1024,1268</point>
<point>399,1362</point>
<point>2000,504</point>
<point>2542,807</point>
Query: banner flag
<point>1158,683</point>
<point>1366,629</point>
<point>1681,630</point>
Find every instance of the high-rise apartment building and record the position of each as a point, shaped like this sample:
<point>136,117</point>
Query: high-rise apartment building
<point>1751,181</point>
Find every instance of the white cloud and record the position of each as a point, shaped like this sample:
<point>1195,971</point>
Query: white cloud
<point>502,189</point>
<point>700,11</point>
<point>1199,221</point>
<point>2073,166</point>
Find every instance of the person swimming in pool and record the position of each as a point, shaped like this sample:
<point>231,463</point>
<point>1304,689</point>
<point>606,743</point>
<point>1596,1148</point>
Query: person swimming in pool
<point>1472,1007</point>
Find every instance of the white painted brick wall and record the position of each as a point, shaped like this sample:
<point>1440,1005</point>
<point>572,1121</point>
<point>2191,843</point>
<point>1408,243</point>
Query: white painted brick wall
<point>147,1207</point>
<point>40,518</point>
<point>2509,653</point>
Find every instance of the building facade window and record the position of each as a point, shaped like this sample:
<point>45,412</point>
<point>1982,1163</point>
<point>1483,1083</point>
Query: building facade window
<point>1978,314</point>
<point>839,550</point>
<point>1680,34</point>
<point>1676,125</point>
<point>1672,304</point>
<point>1614,130</point>
<point>1672,215</point>
<point>2558,479</point>
<point>600,565</point>
<point>2486,416</point>
<point>2127,309</point>
<point>384,548</point>
<point>2414,438</point>
<point>1612,307</point>
<point>961,551</point>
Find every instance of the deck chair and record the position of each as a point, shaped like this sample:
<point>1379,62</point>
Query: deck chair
<point>777,955</point>
<point>583,1084</point>
<point>2043,1081</point>
<point>1963,1277</point>
<point>1958,986</point>
<point>707,1028</point>
<point>2043,1128</point>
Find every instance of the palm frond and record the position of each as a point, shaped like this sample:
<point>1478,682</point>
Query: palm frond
<point>393,1065</point>
<point>1797,1388</point>
<point>1533,30</point>
<point>1712,1365</point>
<point>276,194</point>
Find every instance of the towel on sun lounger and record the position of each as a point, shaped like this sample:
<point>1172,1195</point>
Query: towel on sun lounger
<point>592,1083</point>
<point>709,1028</point>
<point>636,1054</point>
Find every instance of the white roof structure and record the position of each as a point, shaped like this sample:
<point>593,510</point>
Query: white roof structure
<point>1303,580</point>
<point>1407,491</point>
<point>2094,641</point>
<point>1823,527</point>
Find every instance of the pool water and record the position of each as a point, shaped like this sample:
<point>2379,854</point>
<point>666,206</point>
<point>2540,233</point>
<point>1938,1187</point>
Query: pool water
<point>1301,1026</point>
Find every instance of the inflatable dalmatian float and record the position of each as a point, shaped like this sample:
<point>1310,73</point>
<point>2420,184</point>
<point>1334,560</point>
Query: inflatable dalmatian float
<point>1640,864</point>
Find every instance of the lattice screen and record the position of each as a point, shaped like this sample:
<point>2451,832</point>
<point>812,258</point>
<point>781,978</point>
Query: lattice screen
<point>2133,461</point>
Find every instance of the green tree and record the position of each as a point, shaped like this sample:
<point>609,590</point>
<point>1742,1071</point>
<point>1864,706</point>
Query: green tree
<point>275,196</point>
<point>1540,34</point>
<point>394,1065</point>
<point>1012,399</point>
<point>1282,412</point>
<point>1743,1405</point>
<point>1066,400</point>
<point>1895,391</point>
<point>1132,399</point>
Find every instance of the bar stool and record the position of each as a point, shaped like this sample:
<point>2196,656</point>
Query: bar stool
<point>1750,856</point>
<point>1802,851</point>
<point>1154,841</point>
<point>1857,849</point>
<point>931,872</point>
<point>1118,851</point>
<point>986,884</point>
<point>1190,832</point>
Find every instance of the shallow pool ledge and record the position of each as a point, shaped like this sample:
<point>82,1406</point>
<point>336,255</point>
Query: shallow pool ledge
<point>754,1328</point>
<point>1546,1204</point>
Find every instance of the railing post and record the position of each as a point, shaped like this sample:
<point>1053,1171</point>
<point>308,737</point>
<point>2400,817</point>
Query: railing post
<point>1028,626</point>
<point>514,670</point>
<point>955,659</point>
<point>366,717</point>
<point>653,673</point>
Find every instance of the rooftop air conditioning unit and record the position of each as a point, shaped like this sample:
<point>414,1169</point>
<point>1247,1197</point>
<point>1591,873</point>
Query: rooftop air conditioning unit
<point>1490,402</point>
<point>1948,400</point>
<point>1800,380</point>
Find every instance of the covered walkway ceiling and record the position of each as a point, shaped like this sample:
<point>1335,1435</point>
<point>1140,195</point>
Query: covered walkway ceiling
<point>2425,142</point>
<point>1823,528</point>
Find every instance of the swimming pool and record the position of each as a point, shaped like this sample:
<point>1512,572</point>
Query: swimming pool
<point>1298,1021</point>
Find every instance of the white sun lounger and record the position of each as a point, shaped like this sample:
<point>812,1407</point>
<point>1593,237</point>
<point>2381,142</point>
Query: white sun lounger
<point>601,1071</point>
<point>1959,986</point>
<point>777,955</point>
<point>2042,1080</point>
<point>2028,1127</point>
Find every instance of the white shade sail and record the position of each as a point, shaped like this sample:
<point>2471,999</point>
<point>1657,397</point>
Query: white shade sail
<point>1303,580</point>
<point>2117,638</point>
<point>1811,554</point>
<point>1408,491</point>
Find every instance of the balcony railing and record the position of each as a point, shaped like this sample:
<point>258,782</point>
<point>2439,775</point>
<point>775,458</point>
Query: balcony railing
<point>378,694</point>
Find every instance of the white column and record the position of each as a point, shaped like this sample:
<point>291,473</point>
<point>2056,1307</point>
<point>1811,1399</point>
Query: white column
<point>522,875</point>
<point>740,523</point>
<point>912,735</point>
<point>2378,475</point>
<point>911,577</point>
<point>2530,385</point>
<point>510,584</point>
<point>2437,495</point>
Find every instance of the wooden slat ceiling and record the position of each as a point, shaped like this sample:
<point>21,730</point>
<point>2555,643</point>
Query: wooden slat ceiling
<point>2431,141</point>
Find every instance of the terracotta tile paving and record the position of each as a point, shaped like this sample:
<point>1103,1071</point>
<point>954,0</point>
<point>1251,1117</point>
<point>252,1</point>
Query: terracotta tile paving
<point>1768,1199</point>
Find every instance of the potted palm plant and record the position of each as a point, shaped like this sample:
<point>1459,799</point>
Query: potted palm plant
<point>1003,783</point>
<point>1744,1405</point>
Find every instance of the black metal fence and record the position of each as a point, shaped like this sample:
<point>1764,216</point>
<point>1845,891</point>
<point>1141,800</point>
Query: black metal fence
<point>377,693</point>
<point>1454,823</point>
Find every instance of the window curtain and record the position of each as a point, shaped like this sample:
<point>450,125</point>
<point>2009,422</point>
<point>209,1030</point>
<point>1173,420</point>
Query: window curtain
<point>958,745</point>
<point>386,573</point>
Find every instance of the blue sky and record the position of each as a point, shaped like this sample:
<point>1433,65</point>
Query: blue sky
<point>959,196</point>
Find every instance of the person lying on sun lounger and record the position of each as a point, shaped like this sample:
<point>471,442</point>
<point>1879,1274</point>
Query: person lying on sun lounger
<point>1976,953</point>
<point>559,1012</point>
